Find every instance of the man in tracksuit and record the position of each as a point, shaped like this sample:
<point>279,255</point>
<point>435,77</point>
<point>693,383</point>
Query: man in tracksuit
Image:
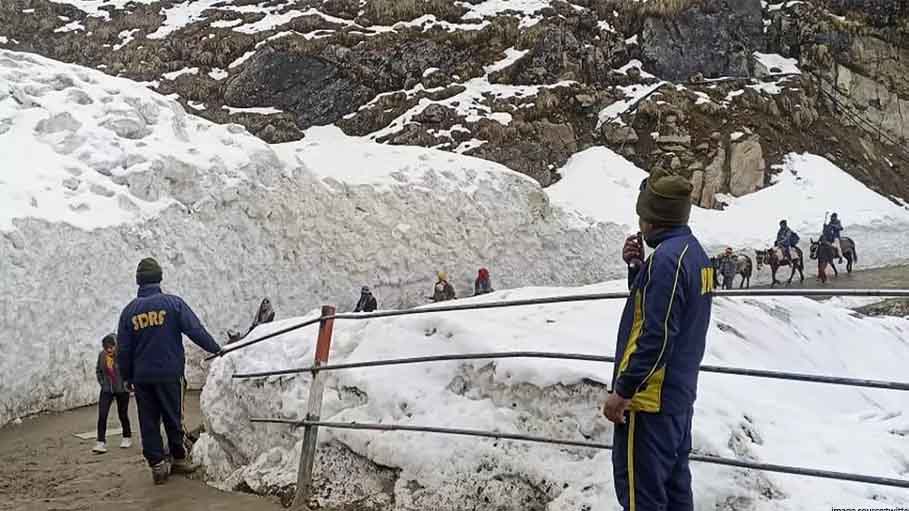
<point>661,342</point>
<point>151,359</point>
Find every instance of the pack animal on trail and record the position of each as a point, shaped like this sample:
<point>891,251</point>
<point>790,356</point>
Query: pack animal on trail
<point>825,254</point>
<point>743,267</point>
<point>773,257</point>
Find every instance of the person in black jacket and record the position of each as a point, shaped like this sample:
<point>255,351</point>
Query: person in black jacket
<point>152,359</point>
<point>113,388</point>
<point>367,302</point>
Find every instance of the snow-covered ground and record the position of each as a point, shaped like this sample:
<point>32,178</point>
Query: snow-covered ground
<point>99,172</point>
<point>600,184</point>
<point>808,425</point>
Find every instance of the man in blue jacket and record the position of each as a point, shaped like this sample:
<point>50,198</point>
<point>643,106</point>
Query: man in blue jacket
<point>151,359</point>
<point>661,342</point>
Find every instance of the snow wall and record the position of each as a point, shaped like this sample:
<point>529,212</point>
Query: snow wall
<point>99,172</point>
<point>802,424</point>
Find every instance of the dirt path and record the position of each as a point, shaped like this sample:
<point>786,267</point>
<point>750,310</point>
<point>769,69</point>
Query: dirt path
<point>890,277</point>
<point>43,467</point>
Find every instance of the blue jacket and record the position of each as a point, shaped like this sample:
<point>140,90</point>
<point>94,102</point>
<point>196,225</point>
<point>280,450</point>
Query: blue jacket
<point>832,230</point>
<point>663,332</point>
<point>150,336</point>
<point>785,237</point>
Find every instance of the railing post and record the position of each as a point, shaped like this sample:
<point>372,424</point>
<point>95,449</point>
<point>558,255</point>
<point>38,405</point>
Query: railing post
<point>314,411</point>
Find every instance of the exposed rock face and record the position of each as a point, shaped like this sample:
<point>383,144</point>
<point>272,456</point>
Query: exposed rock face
<point>864,72</point>
<point>714,38</point>
<point>746,166</point>
<point>315,90</point>
<point>525,86</point>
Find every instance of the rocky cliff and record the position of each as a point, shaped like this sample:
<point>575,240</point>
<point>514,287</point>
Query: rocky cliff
<point>716,89</point>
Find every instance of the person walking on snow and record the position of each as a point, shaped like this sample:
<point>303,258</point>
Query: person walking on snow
<point>152,360</point>
<point>482,285</point>
<point>661,342</point>
<point>831,234</point>
<point>113,388</point>
<point>728,268</point>
<point>443,291</point>
<point>367,302</point>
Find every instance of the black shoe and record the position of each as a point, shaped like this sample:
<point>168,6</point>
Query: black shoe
<point>161,472</point>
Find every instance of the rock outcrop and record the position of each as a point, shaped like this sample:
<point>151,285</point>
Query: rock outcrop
<point>713,38</point>
<point>526,86</point>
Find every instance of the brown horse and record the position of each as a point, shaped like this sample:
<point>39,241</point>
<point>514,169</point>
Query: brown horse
<point>773,257</point>
<point>825,253</point>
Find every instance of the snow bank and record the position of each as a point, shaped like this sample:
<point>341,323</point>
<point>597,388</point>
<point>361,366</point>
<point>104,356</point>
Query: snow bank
<point>603,186</point>
<point>99,172</point>
<point>837,428</point>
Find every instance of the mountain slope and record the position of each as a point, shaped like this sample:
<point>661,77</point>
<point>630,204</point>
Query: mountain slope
<point>526,83</point>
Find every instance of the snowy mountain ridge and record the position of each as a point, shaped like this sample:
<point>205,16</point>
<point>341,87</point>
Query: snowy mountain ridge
<point>718,91</point>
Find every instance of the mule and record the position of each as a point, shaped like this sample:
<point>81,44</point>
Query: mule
<point>773,257</point>
<point>743,268</point>
<point>825,253</point>
<point>849,253</point>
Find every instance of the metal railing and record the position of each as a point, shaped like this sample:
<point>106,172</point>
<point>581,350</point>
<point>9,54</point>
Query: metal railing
<point>312,421</point>
<point>621,295</point>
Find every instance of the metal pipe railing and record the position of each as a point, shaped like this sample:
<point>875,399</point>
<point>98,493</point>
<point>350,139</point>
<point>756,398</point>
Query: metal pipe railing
<point>569,299</point>
<point>757,373</point>
<point>766,467</point>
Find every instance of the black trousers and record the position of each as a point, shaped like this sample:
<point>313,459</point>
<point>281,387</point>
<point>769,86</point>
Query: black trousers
<point>157,403</point>
<point>104,403</point>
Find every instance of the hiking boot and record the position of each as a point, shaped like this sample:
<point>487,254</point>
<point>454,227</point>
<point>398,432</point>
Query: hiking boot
<point>161,472</point>
<point>126,443</point>
<point>100,448</point>
<point>183,466</point>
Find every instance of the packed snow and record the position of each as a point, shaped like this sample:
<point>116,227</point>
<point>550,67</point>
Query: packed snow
<point>126,37</point>
<point>72,26</point>
<point>98,8</point>
<point>180,72</point>
<point>218,74</point>
<point>634,94</point>
<point>807,425</point>
<point>772,63</point>
<point>266,110</point>
<point>805,189</point>
<point>491,8</point>
<point>470,103</point>
<point>116,172</point>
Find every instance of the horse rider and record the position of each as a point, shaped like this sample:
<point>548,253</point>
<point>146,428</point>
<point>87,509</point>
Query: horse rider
<point>786,239</point>
<point>831,234</point>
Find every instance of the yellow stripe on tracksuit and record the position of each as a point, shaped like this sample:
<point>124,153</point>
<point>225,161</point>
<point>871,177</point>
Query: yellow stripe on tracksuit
<point>649,399</point>
<point>630,440</point>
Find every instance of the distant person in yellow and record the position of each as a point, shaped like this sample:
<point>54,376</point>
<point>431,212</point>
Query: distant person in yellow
<point>443,291</point>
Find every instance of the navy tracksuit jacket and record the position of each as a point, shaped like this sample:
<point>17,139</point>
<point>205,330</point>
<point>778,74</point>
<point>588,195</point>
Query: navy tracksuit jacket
<point>661,343</point>
<point>151,357</point>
